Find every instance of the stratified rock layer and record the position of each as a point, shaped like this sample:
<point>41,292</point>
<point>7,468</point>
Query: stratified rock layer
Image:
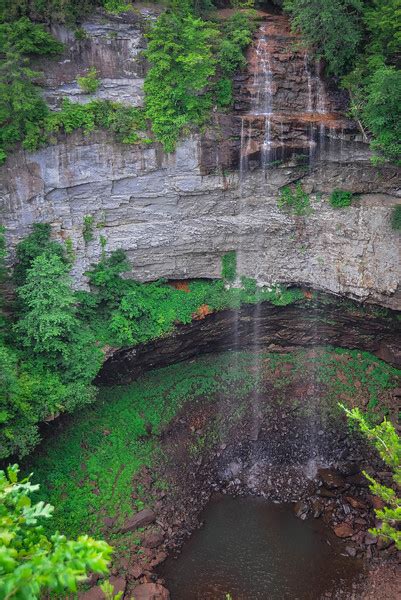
<point>264,327</point>
<point>176,215</point>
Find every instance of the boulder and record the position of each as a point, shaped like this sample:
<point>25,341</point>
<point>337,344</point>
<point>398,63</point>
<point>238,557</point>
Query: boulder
<point>151,591</point>
<point>153,539</point>
<point>331,479</point>
<point>343,530</point>
<point>356,503</point>
<point>301,510</point>
<point>159,558</point>
<point>141,519</point>
<point>136,571</point>
<point>95,593</point>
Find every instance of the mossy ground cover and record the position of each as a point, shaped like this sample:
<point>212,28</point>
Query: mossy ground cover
<point>87,465</point>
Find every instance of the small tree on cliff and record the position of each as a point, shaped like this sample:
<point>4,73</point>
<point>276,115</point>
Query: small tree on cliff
<point>386,440</point>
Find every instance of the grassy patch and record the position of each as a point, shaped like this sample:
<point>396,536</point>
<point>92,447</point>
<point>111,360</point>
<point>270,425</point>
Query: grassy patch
<point>86,468</point>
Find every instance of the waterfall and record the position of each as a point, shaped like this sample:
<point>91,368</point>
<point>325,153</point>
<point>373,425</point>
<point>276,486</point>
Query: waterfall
<point>261,104</point>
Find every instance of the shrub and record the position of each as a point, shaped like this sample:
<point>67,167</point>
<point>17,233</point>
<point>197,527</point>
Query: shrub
<point>36,243</point>
<point>340,198</point>
<point>89,83</point>
<point>295,201</point>
<point>32,564</point>
<point>180,53</point>
<point>387,442</point>
<point>332,28</point>
<point>87,232</point>
<point>116,6</point>
<point>396,218</point>
<point>382,112</point>
<point>229,266</point>
<point>48,306</point>
<point>22,108</point>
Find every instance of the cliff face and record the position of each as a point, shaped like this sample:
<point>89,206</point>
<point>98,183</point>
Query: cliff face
<point>176,215</point>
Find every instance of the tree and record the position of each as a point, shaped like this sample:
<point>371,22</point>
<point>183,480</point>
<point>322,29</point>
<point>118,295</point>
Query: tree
<point>180,54</point>
<point>32,563</point>
<point>22,108</point>
<point>382,111</point>
<point>48,302</point>
<point>36,243</point>
<point>387,442</point>
<point>332,28</point>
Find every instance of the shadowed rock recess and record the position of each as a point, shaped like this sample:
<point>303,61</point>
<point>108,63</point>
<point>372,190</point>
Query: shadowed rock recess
<point>277,329</point>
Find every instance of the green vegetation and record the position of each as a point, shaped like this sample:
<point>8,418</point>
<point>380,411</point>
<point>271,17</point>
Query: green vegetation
<point>104,445</point>
<point>48,356</point>
<point>333,28</point>
<point>195,59</point>
<point>22,108</point>
<point>388,443</point>
<point>396,218</point>
<point>89,83</point>
<point>340,198</point>
<point>295,201</point>
<point>180,52</point>
<point>53,11</point>
<point>360,42</point>
<point>125,312</point>
<point>229,266</point>
<point>51,352</point>
<point>87,232</point>
<point>31,564</point>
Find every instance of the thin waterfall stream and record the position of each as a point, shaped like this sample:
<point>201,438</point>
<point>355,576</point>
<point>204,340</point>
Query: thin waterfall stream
<point>281,123</point>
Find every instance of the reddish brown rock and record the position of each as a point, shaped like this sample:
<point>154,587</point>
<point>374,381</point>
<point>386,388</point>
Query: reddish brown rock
<point>153,539</point>
<point>331,479</point>
<point>160,557</point>
<point>141,519</point>
<point>136,571</point>
<point>95,593</point>
<point>343,530</point>
<point>356,503</point>
<point>151,591</point>
<point>376,502</point>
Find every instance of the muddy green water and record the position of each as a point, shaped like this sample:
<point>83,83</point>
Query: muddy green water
<point>256,550</point>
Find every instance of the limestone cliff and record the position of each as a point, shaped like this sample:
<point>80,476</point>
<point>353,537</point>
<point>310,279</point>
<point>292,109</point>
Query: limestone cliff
<point>176,215</point>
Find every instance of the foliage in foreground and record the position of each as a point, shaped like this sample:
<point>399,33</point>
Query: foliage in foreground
<point>388,443</point>
<point>31,563</point>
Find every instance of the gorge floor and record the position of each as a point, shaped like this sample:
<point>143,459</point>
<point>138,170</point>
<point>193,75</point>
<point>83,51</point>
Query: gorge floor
<point>179,434</point>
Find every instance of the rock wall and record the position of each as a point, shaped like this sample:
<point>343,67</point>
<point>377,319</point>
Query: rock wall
<point>113,45</point>
<point>176,215</point>
<point>266,327</point>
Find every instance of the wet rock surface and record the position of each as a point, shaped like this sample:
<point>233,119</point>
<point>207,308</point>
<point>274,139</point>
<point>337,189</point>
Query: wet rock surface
<point>280,328</point>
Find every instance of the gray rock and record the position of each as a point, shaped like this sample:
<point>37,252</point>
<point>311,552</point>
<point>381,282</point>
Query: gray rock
<point>141,519</point>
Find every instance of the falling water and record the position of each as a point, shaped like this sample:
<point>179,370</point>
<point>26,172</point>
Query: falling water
<point>261,105</point>
<point>309,107</point>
